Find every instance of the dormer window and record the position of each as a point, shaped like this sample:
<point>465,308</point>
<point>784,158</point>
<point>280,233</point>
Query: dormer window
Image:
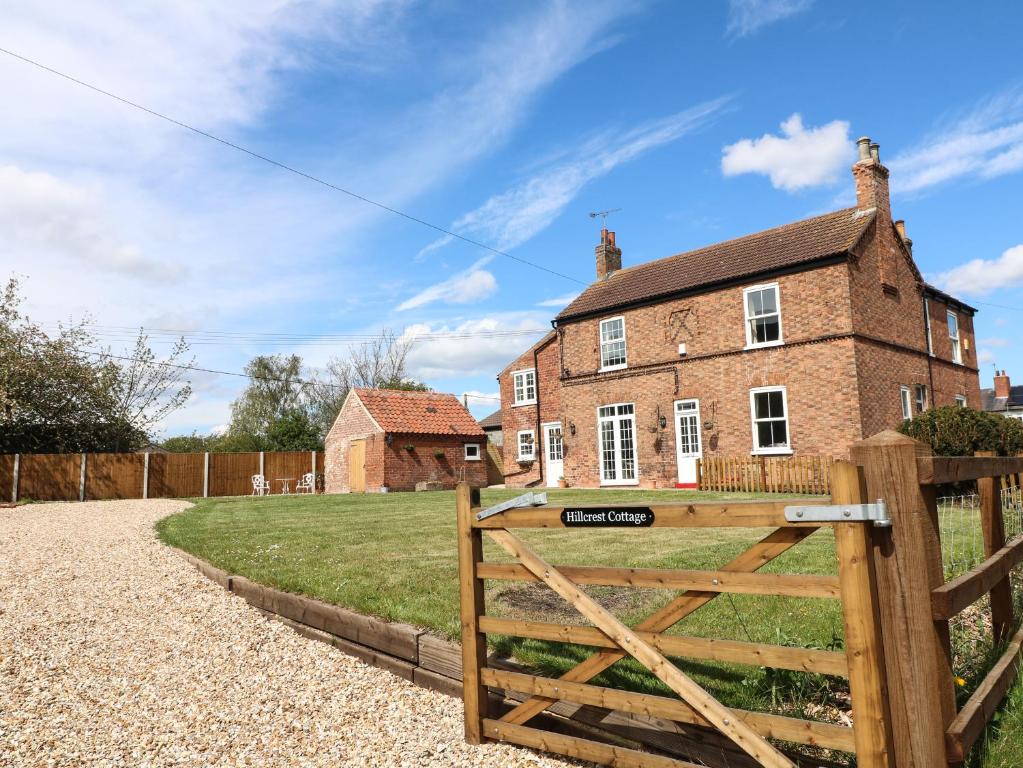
<point>612,344</point>
<point>763,316</point>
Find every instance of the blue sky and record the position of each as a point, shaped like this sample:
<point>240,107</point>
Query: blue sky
<point>700,121</point>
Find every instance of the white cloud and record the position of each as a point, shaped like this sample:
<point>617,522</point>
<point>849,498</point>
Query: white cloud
<point>799,158</point>
<point>746,17</point>
<point>995,342</point>
<point>472,285</point>
<point>984,143</point>
<point>41,212</point>
<point>985,356</point>
<point>981,276</point>
<point>558,301</point>
<point>513,217</point>
<point>473,355</point>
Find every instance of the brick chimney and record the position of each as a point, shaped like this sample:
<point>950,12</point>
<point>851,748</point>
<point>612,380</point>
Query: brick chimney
<point>1001,384</point>
<point>609,256</point>
<point>871,179</point>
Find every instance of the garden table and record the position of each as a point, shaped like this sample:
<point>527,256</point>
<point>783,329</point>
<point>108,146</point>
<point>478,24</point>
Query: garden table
<point>285,485</point>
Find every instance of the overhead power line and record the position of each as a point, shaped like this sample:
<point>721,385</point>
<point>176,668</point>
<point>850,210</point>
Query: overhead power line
<point>286,167</point>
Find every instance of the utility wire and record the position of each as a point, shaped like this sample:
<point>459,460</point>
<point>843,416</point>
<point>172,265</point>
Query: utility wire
<point>286,167</point>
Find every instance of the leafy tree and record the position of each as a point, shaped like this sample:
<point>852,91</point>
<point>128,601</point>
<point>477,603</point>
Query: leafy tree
<point>57,396</point>
<point>294,431</point>
<point>193,443</point>
<point>955,431</point>
<point>275,389</point>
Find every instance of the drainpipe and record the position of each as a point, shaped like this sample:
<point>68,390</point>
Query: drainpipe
<point>539,433</point>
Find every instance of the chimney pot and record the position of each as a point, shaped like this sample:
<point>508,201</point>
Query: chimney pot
<point>863,147</point>
<point>875,152</point>
<point>900,225</point>
<point>611,238</point>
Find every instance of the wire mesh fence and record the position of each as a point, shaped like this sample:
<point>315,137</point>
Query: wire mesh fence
<point>962,549</point>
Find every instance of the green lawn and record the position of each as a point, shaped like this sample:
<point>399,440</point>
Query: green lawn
<point>393,556</point>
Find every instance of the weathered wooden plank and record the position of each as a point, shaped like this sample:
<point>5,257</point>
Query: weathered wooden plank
<point>941,470</point>
<point>441,656</point>
<point>716,713</point>
<point>760,554</point>
<point>977,712</point>
<point>783,585</point>
<point>734,651</point>
<point>472,606</point>
<point>573,746</point>
<point>708,514</point>
<point>770,726</point>
<point>907,562</point>
<point>993,528</point>
<point>867,682</point>
<point>951,598</point>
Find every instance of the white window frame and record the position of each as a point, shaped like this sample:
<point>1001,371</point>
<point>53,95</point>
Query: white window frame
<point>625,346</point>
<point>957,344</point>
<point>961,401</point>
<point>750,343</point>
<point>479,452</point>
<point>927,323</point>
<point>531,456</point>
<point>921,389</point>
<point>615,419</point>
<point>775,451</point>
<point>906,398</point>
<point>516,402</point>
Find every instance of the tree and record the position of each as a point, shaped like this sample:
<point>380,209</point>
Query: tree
<point>56,395</point>
<point>379,363</point>
<point>294,431</point>
<point>955,431</point>
<point>275,389</point>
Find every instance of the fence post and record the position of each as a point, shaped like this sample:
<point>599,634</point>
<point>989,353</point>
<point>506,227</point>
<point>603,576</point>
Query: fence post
<point>81,480</point>
<point>313,470</point>
<point>474,643</point>
<point>262,464</point>
<point>993,526</point>
<point>907,564</point>
<point>699,474</point>
<point>14,484</point>
<point>206,475</point>
<point>863,644</point>
<point>145,477</point>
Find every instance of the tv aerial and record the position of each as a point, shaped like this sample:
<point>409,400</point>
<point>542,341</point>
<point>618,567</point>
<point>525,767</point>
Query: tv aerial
<point>603,215</point>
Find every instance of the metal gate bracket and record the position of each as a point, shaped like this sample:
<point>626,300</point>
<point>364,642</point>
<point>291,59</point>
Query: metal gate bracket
<point>876,513</point>
<point>525,500</point>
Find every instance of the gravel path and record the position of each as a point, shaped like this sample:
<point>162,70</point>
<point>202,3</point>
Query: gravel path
<point>115,652</point>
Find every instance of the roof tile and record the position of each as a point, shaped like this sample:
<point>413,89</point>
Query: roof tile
<point>426,413</point>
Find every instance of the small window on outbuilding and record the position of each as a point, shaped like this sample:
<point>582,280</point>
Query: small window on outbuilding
<point>472,452</point>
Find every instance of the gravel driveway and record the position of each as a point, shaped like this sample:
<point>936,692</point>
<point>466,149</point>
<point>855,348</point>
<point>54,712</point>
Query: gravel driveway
<point>115,652</point>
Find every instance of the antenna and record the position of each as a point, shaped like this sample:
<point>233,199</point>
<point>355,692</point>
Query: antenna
<point>603,215</point>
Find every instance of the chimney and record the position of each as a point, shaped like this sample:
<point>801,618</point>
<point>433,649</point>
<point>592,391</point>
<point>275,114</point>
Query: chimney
<point>871,179</point>
<point>609,256</point>
<point>1001,384</point>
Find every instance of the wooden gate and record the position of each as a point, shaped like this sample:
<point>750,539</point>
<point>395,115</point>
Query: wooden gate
<point>752,732</point>
<point>357,466</point>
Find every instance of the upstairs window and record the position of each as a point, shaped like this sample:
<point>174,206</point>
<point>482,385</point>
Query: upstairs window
<point>770,411</point>
<point>927,324</point>
<point>953,335</point>
<point>921,398</point>
<point>763,315</point>
<point>907,403</point>
<point>612,344</point>
<point>524,385</point>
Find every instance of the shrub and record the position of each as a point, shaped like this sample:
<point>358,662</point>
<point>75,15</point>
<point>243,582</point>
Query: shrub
<point>955,431</point>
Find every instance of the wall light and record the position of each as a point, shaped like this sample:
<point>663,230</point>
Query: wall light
<point>571,427</point>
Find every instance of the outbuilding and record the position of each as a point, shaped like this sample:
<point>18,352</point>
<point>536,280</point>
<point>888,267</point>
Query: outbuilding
<point>392,440</point>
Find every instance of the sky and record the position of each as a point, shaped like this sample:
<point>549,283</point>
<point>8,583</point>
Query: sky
<point>508,126</point>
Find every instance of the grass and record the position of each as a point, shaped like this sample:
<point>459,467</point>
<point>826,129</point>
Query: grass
<point>393,556</point>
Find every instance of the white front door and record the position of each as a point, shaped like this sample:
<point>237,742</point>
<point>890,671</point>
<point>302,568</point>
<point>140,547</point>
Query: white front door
<point>687,441</point>
<point>553,454</point>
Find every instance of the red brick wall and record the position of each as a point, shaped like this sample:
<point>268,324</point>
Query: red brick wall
<point>516,418</point>
<point>402,468</point>
<point>352,423</point>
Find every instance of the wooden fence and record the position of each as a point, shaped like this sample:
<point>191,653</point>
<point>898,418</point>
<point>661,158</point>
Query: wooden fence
<point>766,474</point>
<point>895,606</point>
<point>95,476</point>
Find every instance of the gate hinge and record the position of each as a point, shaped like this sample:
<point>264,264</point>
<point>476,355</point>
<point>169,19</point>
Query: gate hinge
<point>876,513</point>
<point>525,500</point>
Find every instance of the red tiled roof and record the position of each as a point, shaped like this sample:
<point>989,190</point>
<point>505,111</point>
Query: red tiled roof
<point>426,413</point>
<point>793,244</point>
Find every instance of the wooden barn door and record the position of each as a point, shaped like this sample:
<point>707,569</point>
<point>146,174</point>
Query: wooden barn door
<point>357,466</point>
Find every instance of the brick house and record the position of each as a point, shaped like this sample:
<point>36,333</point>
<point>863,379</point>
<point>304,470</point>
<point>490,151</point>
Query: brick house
<point>1004,399</point>
<point>799,339</point>
<point>395,439</point>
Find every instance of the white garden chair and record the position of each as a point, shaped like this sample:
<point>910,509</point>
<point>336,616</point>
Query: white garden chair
<point>260,487</point>
<point>307,484</point>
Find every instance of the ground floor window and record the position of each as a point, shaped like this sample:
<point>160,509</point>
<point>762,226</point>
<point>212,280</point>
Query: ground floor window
<point>921,398</point>
<point>472,451</point>
<point>961,401</point>
<point>616,428</point>
<point>769,408</point>
<point>527,445</point>
<point>907,403</point>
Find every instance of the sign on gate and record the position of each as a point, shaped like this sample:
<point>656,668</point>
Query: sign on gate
<point>608,517</point>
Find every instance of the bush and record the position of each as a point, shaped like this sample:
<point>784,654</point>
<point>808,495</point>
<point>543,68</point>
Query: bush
<point>955,431</point>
